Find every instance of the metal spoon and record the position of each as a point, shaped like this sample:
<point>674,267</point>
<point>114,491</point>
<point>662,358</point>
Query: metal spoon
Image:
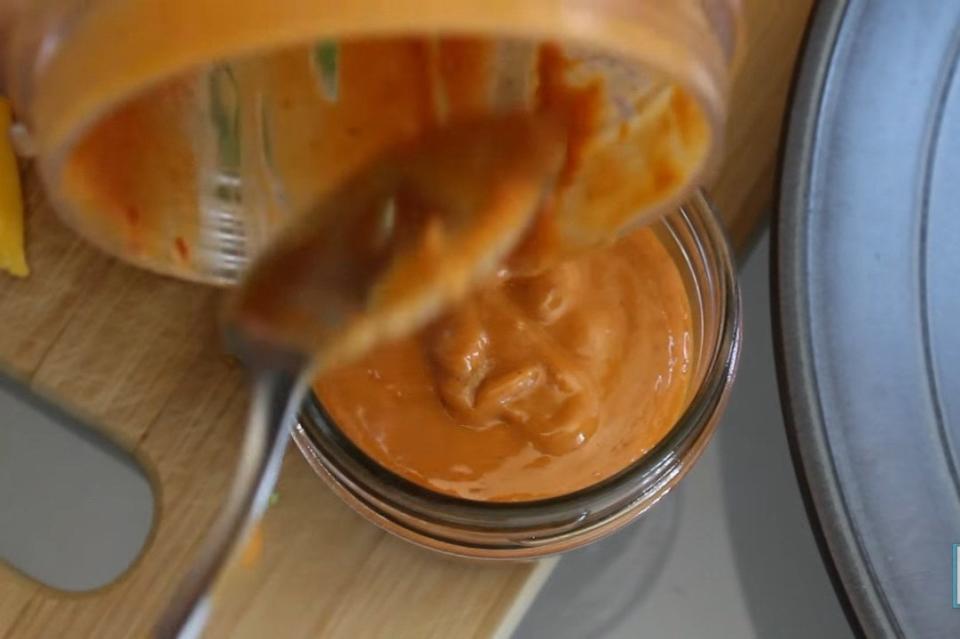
<point>377,258</point>
<point>279,386</point>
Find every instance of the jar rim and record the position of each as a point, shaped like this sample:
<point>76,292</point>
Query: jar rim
<point>385,494</point>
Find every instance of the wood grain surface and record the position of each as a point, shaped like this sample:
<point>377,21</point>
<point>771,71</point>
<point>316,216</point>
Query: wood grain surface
<point>744,187</point>
<point>140,354</point>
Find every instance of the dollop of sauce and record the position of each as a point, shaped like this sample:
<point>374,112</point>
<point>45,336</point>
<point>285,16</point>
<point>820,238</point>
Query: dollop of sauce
<point>536,385</point>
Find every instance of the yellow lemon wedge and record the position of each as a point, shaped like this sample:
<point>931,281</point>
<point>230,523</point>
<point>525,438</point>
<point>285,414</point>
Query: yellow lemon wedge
<point>12,258</point>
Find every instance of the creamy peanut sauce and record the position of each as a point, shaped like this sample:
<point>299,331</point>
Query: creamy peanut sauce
<point>535,386</point>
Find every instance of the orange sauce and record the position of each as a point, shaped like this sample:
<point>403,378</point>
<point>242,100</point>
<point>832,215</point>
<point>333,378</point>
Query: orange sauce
<point>550,379</point>
<point>536,386</point>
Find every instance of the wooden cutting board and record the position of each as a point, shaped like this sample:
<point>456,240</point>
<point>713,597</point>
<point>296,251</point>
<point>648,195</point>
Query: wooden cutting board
<point>140,354</point>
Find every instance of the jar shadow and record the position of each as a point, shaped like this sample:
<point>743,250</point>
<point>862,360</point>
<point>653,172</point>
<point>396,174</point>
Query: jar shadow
<point>633,559</point>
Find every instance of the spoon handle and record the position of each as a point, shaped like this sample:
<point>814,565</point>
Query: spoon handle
<point>277,395</point>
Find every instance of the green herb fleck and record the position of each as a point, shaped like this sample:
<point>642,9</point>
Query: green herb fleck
<point>225,114</point>
<point>326,65</point>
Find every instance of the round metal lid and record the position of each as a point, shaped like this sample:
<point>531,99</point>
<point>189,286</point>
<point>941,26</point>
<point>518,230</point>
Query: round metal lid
<point>867,276</point>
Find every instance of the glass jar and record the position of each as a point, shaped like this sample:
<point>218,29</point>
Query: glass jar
<point>535,528</point>
<point>160,138</point>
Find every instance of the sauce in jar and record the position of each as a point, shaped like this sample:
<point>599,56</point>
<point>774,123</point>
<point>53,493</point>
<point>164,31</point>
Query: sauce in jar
<point>534,387</point>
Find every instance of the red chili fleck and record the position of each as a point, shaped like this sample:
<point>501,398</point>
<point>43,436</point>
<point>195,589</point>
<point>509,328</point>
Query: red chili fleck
<point>132,213</point>
<point>182,249</point>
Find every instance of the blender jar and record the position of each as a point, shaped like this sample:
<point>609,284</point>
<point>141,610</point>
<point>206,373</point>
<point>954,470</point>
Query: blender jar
<point>181,134</point>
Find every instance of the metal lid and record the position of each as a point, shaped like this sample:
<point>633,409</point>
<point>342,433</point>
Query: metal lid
<point>868,279</point>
